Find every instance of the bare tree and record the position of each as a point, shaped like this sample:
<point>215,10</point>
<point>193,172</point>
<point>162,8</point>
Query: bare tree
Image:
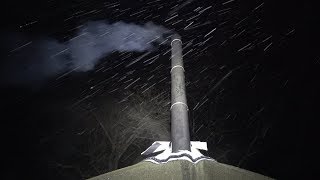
<point>136,120</point>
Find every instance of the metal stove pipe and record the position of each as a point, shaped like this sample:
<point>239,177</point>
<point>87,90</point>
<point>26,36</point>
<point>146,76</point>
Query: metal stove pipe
<point>180,136</point>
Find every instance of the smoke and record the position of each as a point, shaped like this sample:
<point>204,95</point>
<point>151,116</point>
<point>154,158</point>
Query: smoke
<point>42,58</point>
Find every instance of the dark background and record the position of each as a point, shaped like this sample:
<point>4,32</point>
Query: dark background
<point>263,116</point>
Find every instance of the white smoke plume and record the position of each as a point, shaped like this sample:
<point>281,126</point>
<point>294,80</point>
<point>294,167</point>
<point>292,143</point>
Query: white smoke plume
<point>45,57</point>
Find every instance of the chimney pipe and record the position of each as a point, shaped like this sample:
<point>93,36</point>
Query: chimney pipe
<point>180,136</point>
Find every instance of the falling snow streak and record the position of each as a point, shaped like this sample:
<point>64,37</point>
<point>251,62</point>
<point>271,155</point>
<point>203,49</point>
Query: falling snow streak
<point>138,59</point>
<point>227,2</point>
<point>149,87</point>
<point>132,83</point>
<point>20,47</point>
<point>266,48</point>
<point>210,32</point>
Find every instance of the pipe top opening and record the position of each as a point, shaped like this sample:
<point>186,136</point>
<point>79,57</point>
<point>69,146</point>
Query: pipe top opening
<point>175,37</point>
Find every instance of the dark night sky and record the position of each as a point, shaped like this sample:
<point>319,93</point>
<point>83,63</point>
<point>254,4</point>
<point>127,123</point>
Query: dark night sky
<point>252,84</point>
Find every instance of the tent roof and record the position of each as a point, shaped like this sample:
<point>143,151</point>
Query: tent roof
<point>181,170</point>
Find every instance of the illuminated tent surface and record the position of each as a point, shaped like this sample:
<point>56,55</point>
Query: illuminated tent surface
<point>181,170</point>
<point>181,165</point>
<point>180,158</point>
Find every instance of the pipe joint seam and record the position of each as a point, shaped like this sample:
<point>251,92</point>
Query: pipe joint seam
<point>176,103</point>
<point>177,66</point>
